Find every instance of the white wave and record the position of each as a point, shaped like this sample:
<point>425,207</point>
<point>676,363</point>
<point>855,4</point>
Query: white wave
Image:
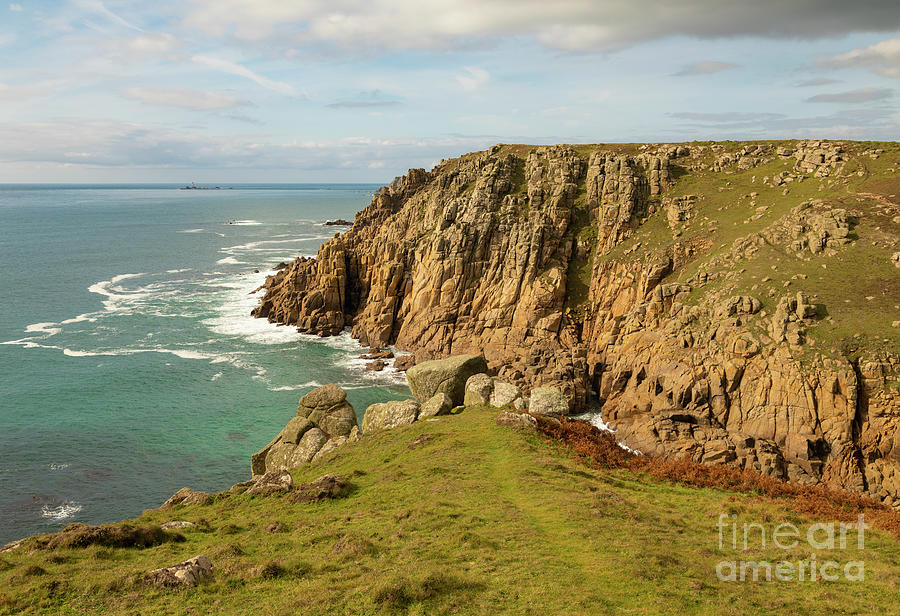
<point>178,271</point>
<point>245,223</point>
<point>295,387</point>
<point>228,261</point>
<point>66,510</point>
<point>50,328</point>
<point>88,316</point>
<point>191,231</point>
<point>216,376</point>
<point>254,246</point>
<point>58,467</point>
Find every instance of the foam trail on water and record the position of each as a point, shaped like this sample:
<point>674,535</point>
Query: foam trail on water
<point>62,512</point>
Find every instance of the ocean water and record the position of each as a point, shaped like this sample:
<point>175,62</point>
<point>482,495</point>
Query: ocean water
<point>130,364</point>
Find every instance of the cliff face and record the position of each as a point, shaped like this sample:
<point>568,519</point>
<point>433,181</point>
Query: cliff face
<point>685,290</point>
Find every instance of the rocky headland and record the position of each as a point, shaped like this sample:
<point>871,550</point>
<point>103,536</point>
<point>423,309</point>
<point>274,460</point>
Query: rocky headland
<point>734,303</point>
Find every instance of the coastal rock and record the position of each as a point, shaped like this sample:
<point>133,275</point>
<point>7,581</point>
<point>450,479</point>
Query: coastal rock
<point>539,259</point>
<point>326,487</point>
<point>438,404</point>
<point>188,573</point>
<point>386,415</point>
<point>549,401</point>
<point>324,419</point>
<point>272,482</point>
<point>479,388</point>
<point>186,496</point>
<point>404,363</point>
<point>444,376</point>
<point>505,394</point>
<point>521,421</point>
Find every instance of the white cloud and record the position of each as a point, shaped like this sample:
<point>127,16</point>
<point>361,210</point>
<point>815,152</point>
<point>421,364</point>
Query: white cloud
<point>574,25</point>
<point>183,98</point>
<point>142,47</point>
<point>705,67</point>
<point>16,8</point>
<point>474,78</point>
<point>29,90</point>
<point>231,68</point>
<point>860,95</point>
<point>883,58</point>
<point>98,8</point>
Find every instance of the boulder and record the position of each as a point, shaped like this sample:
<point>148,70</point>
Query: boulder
<point>388,415</point>
<point>404,362</point>
<point>186,496</point>
<point>188,573</point>
<point>325,487</point>
<point>478,390</point>
<point>548,401</point>
<point>272,482</point>
<point>323,416</point>
<point>438,404</point>
<point>505,394</point>
<point>447,376</point>
<point>327,408</point>
<point>516,420</point>
<point>375,366</point>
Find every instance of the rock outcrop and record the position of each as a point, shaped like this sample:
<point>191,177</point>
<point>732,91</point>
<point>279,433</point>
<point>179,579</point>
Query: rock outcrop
<point>444,376</point>
<point>585,270</point>
<point>188,573</point>
<point>387,415</point>
<point>324,420</point>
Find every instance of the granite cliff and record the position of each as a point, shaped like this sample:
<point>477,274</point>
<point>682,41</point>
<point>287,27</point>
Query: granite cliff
<point>731,302</point>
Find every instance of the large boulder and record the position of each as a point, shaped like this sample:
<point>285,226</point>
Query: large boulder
<point>388,415</point>
<point>548,401</point>
<point>323,416</point>
<point>505,394</point>
<point>447,376</point>
<point>479,388</point>
<point>327,408</point>
<point>438,404</point>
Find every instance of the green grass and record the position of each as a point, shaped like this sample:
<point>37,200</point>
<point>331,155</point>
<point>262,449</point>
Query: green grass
<point>477,520</point>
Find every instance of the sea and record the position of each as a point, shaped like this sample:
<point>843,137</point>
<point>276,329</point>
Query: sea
<point>130,364</point>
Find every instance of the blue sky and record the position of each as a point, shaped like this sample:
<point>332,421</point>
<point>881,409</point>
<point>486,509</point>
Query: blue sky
<point>351,90</point>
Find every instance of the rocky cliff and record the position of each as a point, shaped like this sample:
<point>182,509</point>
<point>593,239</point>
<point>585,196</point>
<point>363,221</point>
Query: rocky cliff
<point>735,303</point>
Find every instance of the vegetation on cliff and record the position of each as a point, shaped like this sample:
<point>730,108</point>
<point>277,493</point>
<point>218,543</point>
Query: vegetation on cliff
<point>451,515</point>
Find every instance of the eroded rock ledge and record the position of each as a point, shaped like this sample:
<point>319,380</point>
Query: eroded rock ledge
<point>586,269</point>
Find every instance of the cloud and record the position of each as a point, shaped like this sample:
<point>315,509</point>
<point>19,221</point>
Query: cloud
<point>15,8</point>
<point>474,78</point>
<point>818,81</point>
<point>231,68</point>
<point>98,8</point>
<point>573,25</point>
<point>29,90</point>
<point>883,58</point>
<point>362,104</point>
<point>861,95</point>
<point>727,117</point>
<point>705,67</point>
<point>143,47</point>
<point>184,98</point>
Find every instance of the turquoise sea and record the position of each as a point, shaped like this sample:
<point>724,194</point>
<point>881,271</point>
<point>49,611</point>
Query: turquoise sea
<point>130,364</point>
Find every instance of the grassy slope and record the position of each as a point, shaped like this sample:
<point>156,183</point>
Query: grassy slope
<point>478,520</point>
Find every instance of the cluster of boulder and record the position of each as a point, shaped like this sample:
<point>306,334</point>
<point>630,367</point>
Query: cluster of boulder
<point>325,420</point>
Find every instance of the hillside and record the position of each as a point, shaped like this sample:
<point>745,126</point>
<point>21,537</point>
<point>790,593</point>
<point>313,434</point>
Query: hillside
<point>735,302</point>
<point>454,515</point>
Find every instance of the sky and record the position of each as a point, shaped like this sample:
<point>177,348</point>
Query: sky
<point>361,90</point>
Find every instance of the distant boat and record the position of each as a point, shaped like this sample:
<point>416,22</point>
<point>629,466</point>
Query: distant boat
<point>193,186</point>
